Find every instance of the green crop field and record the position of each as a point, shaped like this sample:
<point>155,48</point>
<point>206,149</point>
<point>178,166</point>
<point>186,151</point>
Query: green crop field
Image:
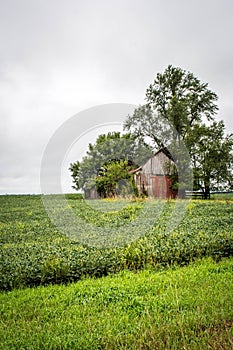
<point>158,289</point>
<point>33,251</point>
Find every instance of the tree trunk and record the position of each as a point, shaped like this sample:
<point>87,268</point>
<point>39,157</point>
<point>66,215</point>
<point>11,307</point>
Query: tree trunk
<point>207,192</point>
<point>181,194</point>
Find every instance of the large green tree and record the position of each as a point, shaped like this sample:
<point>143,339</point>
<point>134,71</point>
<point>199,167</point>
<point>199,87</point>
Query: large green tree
<point>177,98</point>
<point>179,112</point>
<point>108,161</point>
<point>211,152</point>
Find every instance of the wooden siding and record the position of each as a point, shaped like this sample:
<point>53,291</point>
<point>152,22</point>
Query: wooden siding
<point>153,177</point>
<point>157,165</point>
<point>91,194</point>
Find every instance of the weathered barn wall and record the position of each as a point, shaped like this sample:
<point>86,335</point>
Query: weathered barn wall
<point>157,165</point>
<point>91,194</point>
<point>153,178</point>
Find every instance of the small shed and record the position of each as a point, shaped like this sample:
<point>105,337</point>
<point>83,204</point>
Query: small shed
<point>91,193</point>
<point>153,178</point>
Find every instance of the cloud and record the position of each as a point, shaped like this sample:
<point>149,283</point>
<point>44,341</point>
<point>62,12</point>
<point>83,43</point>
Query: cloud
<point>58,58</point>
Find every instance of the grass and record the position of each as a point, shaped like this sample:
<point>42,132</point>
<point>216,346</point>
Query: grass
<point>179,308</point>
<point>222,196</point>
<point>165,295</point>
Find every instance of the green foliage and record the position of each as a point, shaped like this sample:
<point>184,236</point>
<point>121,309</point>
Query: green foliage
<point>181,98</point>
<point>114,179</point>
<point>180,110</point>
<point>74,196</point>
<point>34,252</point>
<point>108,149</point>
<point>75,170</point>
<point>178,97</point>
<point>179,308</point>
<point>212,154</point>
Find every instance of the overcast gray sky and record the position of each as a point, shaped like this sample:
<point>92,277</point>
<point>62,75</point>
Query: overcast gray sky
<point>59,57</point>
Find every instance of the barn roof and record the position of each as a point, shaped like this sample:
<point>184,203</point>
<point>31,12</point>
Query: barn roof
<point>135,170</point>
<point>166,152</point>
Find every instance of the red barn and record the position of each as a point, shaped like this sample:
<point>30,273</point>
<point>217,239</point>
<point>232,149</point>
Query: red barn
<point>153,177</point>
